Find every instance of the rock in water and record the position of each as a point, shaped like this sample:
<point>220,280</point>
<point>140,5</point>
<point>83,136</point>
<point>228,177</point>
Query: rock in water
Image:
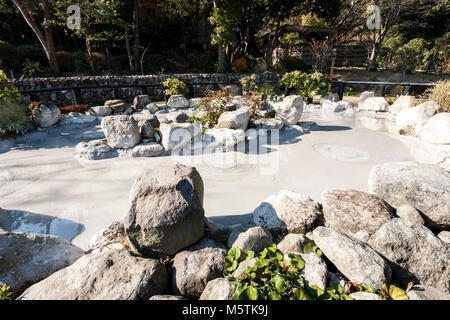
<point>165,213</point>
<point>122,132</point>
<point>111,275</point>
<point>219,289</point>
<point>351,211</point>
<point>29,258</point>
<point>288,212</point>
<point>415,253</point>
<point>354,259</point>
<point>289,110</point>
<point>425,187</point>
<point>194,267</point>
<point>45,116</point>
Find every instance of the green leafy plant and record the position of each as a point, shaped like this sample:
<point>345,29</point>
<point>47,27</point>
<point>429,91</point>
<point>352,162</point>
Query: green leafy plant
<point>307,85</point>
<point>248,84</point>
<point>211,108</point>
<point>312,248</point>
<point>392,292</point>
<point>31,68</point>
<point>275,276</point>
<point>5,293</point>
<point>175,87</point>
<point>270,114</point>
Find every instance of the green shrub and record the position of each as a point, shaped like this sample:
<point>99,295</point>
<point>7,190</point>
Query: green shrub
<point>212,106</point>
<point>32,52</point>
<point>307,85</point>
<point>248,84</point>
<point>440,94</point>
<point>8,54</point>
<point>30,68</point>
<point>7,91</point>
<point>275,276</point>
<point>5,293</point>
<point>290,64</point>
<point>175,87</point>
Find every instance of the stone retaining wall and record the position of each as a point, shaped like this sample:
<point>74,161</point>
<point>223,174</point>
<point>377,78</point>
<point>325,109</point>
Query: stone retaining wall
<point>198,83</point>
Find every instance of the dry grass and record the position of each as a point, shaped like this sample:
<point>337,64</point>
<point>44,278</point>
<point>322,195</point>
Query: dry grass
<point>441,94</point>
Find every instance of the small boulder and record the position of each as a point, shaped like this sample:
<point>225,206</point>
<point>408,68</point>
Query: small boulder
<point>414,252</point>
<point>351,211</point>
<point>289,110</point>
<point>288,212</point>
<point>122,132</point>
<point>45,116</point>
<point>149,150</point>
<point>110,275</point>
<point>76,120</point>
<point>100,111</point>
<point>364,96</point>
<point>425,187</point>
<point>110,238</point>
<point>237,120</point>
<point>194,267</point>
<point>177,117</point>
<point>437,129</point>
<point>402,103</point>
<point>117,106</point>
<point>195,102</point>
<point>219,289</point>
<point>29,258</point>
<point>250,238</point>
<point>378,104</point>
<point>411,121</point>
<point>269,124</point>
<point>94,150</point>
<point>243,266</point>
<point>293,243</point>
<point>353,258</point>
<point>165,213</point>
<point>178,135</point>
<point>178,101</point>
<point>141,101</point>
<point>411,214</point>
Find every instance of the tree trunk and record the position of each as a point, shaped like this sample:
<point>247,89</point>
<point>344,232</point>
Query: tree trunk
<point>222,63</point>
<point>127,44</point>
<point>89,52</point>
<point>136,54</point>
<point>47,41</point>
<point>373,57</point>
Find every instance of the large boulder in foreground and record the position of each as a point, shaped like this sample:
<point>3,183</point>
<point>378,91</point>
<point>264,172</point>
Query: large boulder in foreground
<point>415,253</point>
<point>437,129</point>
<point>111,275</point>
<point>194,267</point>
<point>354,259</point>
<point>351,211</point>
<point>45,116</point>
<point>289,110</point>
<point>288,212</point>
<point>426,187</point>
<point>122,132</point>
<point>165,212</point>
<point>29,258</point>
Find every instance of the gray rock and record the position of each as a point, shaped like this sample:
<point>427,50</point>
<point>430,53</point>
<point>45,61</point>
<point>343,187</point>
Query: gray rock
<point>426,187</point>
<point>165,213</point>
<point>412,120</point>
<point>140,102</point>
<point>144,118</point>
<point>178,101</point>
<point>375,104</point>
<point>45,116</point>
<point>217,231</point>
<point>409,213</point>
<point>195,102</point>
<point>237,120</point>
<point>364,96</point>
<point>315,272</point>
<point>6,144</point>
<point>289,110</point>
<point>149,150</point>
<point>415,253</point>
<point>351,211</point>
<point>178,135</point>
<point>330,106</point>
<point>29,258</point>
<point>146,129</point>
<point>419,292</point>
<point>110,275</point>
<point>122,132</point>
<point>288,212</point>
<point>362,236</point>
<point>117,106</point>
<point>269,124</point>
<point>243,266</point>
<point>444,236</point>
<point>365,296</point>
<point>402,103</point>
<point>333,97</point>
<point>151,108</point>
<point>293,243</point>
<point>100,111</point>
<point>110,238</point>
<point>94,150</point>
<point>250,238</point>
<point>353,258</point>
<point>219,290</point>
<point>76,120</point>
<point>177,117</point>
<point>194,267</point>
<point>5,220</point>
<point>167,297</point>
